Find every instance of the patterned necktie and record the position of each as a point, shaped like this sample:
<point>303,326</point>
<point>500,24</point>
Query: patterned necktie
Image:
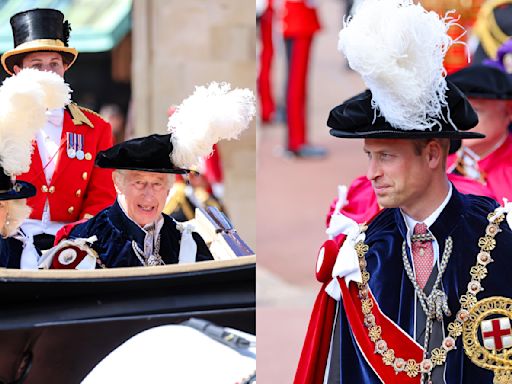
<point>422,254</point>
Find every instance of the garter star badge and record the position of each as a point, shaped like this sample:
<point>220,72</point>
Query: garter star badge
<point>487,337</point>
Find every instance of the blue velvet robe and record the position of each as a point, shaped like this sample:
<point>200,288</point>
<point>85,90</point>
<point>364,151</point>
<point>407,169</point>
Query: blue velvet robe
<point>465,219</point>
<point>115,232</point>
<point>10,252</point>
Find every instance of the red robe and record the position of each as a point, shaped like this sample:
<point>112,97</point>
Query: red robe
<point>78,188</point>
<point>496,169</point>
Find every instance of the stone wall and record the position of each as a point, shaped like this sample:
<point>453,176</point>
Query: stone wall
<point>180,44</point>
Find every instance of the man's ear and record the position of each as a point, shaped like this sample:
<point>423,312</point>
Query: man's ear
<point>435,153</point>
<point>16,69</point>
<point>116,178</point>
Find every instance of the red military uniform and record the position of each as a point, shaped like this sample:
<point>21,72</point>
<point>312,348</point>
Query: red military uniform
<point>77,188</point>
<point>267,104</point>
<point>495,170</point>
<point>300,23</point>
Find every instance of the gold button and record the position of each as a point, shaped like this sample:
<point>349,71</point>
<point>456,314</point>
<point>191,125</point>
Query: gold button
<point>88,156</point>
<point>78,192</point>
<point>44,188</point>
<point>70,210</point>
<point>84,175</point>
<point>51,189</point>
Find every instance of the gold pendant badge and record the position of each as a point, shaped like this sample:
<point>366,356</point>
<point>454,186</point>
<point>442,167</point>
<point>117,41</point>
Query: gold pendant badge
<point>493,349</point>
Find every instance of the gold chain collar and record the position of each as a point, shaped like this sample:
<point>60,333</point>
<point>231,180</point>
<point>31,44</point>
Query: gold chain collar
<point>467,301</point>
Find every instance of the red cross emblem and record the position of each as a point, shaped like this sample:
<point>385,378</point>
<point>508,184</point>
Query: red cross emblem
<point>497,333</point>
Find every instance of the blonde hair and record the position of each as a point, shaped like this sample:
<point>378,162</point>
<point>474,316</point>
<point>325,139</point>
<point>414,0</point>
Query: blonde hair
<point>17,212</point>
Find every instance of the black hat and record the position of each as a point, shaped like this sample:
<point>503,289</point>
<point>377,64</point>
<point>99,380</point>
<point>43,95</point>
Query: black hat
<point>356,118</point>
<point>13,191</point>
<point>39,30</point>
<point>149,153</point>
<point>483,82</point>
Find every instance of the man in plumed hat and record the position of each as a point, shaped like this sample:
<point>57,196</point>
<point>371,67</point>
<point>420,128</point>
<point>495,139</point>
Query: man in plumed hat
<point>134,231</point>
<point>68,185</point>
<point>487,160</point>
<point>417,294</point>
<point>480,166</point>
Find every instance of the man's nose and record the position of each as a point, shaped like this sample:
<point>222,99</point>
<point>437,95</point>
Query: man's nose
<point>148,190</point>
<point>374,170</point>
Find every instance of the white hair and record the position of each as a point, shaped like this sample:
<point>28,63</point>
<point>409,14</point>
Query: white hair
<point>17,212</point>
<point>119,177</point>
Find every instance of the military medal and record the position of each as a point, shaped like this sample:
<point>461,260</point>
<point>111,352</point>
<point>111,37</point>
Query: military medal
<point>71,145</point>
<point>79,147</point>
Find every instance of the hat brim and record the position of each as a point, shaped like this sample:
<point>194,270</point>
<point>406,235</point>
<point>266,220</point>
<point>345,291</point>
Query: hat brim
<point>43,45</point>
<point>394,134</point>
<point>178,171</point>
<point>22,190</point>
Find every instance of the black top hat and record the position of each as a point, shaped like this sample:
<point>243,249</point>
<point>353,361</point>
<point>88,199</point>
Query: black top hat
<point>483,82</point>
<point>39,30</point>
<point>13,191</point>
<point>356,118</point>
<point>149,153</point>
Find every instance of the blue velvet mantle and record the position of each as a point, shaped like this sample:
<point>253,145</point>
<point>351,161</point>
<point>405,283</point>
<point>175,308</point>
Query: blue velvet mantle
<point>465,219</point>
<point>115,232</point>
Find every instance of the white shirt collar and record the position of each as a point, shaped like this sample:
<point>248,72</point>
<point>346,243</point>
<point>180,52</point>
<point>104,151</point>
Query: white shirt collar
<point>55,116</point>
<point>411,223</point>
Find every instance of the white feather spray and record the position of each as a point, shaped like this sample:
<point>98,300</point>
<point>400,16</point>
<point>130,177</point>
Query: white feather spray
<point>210,114</point>
<point>24,99</point>
<point>398,48</point>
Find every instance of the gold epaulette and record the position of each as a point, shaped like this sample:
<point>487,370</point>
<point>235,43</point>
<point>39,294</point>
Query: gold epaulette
<point>77,115</point>
<point>91,111</point>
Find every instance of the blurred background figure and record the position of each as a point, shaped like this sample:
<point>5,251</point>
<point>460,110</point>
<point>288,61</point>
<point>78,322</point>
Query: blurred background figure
<point>300,23</point>
<point>265,19</point>
<point>493,27</point>
<point>487,160</point>
<point>199,189</point>
<point>113,114</point>
<point>503,59</point>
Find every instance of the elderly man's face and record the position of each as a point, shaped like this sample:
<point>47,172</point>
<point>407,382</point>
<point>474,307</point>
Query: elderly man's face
<point>494,117</point>
<point>142,194</point>
<point>399,175</point>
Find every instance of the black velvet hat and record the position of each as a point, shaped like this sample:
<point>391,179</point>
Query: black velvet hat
<point>483,82</point>
<point>18,190</point>
<point>149,153</point>
<point>39,30</point>
<point>356,118</point>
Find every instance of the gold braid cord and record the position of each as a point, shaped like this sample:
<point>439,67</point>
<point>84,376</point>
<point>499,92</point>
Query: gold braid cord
<point>465,319</point>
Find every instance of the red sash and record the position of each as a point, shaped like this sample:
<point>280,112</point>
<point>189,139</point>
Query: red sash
<point>396,339</point>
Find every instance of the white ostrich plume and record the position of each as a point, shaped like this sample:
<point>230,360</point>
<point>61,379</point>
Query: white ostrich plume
<point>398,48</point>
<point>210,114</point>
<point>24,99</point>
